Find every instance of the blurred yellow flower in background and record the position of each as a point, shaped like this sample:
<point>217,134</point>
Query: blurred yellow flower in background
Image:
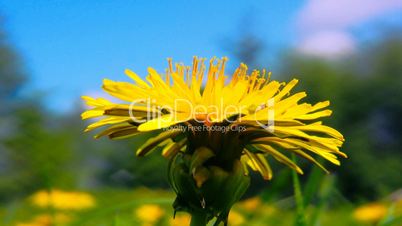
<point>235,218</point>
<point>372,212</point>
<point>47,220</point>
<point>251,204</point>
<point>149,214</point>
<point>180,220</point>
<point>398,207</point>
<point>268,210</point>
<point>63,200</point>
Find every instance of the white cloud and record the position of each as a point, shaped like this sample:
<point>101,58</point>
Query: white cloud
<point>323,24</point>
<point>328,44</point>
<point>341,14</point>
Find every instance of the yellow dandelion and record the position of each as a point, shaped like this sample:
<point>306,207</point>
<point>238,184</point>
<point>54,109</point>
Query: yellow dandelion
<point>149,214</point>
<point>177,97</point>
<point>213,126</point>
<point>63,200</point>
<point>372,212</point>
<point>235,218</point>
<point>398,207</point>
<point>48,220</point>
<point>180,220</point>
<point>251,204</point>
<point>28,224</point>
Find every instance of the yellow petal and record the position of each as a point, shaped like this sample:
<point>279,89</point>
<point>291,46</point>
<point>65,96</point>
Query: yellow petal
<point>260,164</point>
<point>107,121</point>
<point>173,147</point>
<point>153,142</point>
<point>279,156</point>
<point>315,115</point>
<point>91,114</point>
<point>164,121</point>
<point>113,129</point>
<point>136,78</point>
<point>286,89</point>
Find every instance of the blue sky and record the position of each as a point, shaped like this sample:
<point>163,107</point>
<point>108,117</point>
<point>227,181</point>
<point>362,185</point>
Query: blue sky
<point>68,47</point>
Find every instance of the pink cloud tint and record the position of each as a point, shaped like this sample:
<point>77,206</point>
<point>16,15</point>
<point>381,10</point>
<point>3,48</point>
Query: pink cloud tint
<point>323,24</point>
<point>341,14</point>
<point>327,43</point>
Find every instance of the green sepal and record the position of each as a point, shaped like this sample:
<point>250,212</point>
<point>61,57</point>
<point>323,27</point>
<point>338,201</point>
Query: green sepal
<point>199,157</point>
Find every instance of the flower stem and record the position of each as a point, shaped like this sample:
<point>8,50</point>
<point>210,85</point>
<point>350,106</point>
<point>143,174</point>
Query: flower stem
<point>300,213</point>
<point>198,218</point>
